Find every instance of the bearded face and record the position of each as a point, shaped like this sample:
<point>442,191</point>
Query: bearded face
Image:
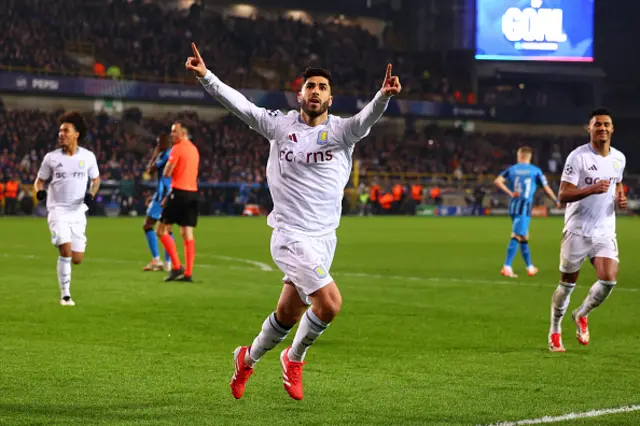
<point>315,97</point>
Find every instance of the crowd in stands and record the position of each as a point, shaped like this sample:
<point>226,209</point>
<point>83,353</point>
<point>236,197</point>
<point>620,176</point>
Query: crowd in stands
<point>147,40</point>
<point>231,152</point>
<point>234,155</point>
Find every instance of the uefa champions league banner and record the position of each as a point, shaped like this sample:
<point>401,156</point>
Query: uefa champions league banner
<point>535,30</point>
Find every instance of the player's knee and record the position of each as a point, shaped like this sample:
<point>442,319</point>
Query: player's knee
<point>607,276</point>
<point>147,227</point>
<point>288,316</point>
<point>76,259</point>
<point>186,232</point>
<point>569,277</point>
<point>65,251</point>
<point>161,231</point>
<point>328,306</point>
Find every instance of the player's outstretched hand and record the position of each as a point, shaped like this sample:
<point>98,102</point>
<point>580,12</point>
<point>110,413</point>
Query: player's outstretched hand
<point>88,199</point>
<point>391,85</point>
<point>514,195</point>
<point>601,186</point>
<point>41,195</point>
<point>622,201</point>
<point>195,64</point>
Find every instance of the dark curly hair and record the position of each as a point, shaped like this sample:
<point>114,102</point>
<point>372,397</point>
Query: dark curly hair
<point>78,122</point>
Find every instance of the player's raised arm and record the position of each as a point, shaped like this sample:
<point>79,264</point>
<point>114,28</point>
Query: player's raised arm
<point>257,118</point>
<point>360,124</point>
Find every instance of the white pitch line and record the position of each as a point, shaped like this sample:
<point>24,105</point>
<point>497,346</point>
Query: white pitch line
<point>263,267</point>
<point>461,280</point>
<point>571,416</point>
<point>260,265</point>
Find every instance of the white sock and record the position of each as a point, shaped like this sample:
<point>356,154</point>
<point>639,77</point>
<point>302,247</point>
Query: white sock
<point>310,328</point>
<point>156,259</point>
<point>64,275</point>
<point>270,336</point>
<point>598,293</point>
<point>559,305</point>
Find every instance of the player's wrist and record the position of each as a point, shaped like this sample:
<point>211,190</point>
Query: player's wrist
<point>208,75</point>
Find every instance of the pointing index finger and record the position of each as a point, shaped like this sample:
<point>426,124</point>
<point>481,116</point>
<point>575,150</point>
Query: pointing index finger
<point>196,53</point>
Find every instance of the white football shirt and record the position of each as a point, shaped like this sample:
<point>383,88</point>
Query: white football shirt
<point>308,167</point>
<point>595,215</point>
<point>69,176</point>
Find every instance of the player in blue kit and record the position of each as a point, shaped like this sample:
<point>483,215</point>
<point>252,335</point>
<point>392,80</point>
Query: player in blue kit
<point>154,211</point>
<point>520,182</point>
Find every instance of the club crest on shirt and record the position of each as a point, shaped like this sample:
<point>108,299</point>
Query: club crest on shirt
<point>320,271</point>
<point>323,137</point>
<point>616,165</point>
<point>81,164</point>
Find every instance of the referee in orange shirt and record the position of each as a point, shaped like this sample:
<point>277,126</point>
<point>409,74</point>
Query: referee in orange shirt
<point>181,204</point>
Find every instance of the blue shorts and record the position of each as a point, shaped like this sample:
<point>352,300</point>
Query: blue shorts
<point>521,225</point>
<point>154,211</point>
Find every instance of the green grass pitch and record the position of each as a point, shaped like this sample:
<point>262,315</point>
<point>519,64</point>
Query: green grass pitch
<point>429,333</point>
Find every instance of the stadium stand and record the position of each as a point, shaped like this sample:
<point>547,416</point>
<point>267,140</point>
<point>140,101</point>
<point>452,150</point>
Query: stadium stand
<point>234,157</point>
<point>258,53</point>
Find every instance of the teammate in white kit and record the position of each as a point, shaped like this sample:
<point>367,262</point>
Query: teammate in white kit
<point>67,169</point>
<point>308,167</point>
<point>592,186</point>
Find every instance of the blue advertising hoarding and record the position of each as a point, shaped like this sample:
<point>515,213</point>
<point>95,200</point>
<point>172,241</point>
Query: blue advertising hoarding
<point>534,30</point>
<point>49,85</point>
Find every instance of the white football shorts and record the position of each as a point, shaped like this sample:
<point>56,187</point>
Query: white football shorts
<point>305,260</point>
<point>68,228</point>
<point>574,249</point>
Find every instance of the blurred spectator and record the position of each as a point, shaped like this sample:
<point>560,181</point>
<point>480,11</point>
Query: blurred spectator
<point>113,72</point>
<point>144,40</point>
<point>236,156</point>
<point>11,191</point>
<point>98,70</point>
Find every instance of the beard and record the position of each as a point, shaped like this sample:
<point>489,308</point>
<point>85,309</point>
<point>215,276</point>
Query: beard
<point>313,113</point>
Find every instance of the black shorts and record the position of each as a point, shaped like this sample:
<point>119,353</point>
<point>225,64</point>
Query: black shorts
<point>181,208</point>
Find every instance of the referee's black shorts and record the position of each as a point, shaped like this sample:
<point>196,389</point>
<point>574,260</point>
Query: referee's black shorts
<point>181,208</point>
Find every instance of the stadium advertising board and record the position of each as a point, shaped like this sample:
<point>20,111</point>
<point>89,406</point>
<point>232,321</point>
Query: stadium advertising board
<point>98,88</point>
<point>534,30</point>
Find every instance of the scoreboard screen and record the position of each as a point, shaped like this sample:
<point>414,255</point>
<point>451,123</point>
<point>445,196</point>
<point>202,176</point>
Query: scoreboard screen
<point>534,30</point>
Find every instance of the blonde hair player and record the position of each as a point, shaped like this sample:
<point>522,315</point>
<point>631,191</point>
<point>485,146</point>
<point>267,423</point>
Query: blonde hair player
<point>520,183</point>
